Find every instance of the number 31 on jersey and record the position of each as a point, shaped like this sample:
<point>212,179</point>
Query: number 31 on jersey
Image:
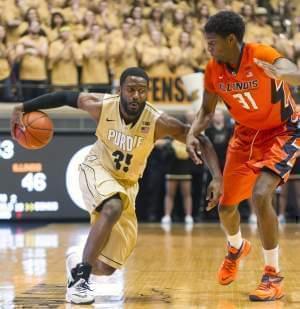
<point>246,100</point>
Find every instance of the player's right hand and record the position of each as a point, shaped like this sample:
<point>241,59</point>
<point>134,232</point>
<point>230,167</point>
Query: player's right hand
<point>193,148</point>
<point>16,119</point>
<point>271,70</point>
<point>214,192</point>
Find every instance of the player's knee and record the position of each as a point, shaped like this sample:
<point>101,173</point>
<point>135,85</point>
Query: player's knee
<point>226,210</point>
<point>112,210</point>
<point>108,270</point>
<point>261,196</point>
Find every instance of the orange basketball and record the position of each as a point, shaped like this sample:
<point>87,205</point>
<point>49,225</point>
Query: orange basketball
<point>38,130</point>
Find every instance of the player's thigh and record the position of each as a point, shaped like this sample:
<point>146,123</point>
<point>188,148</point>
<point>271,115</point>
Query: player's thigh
<point>123,237</point>
<point>238,178</point>
<point>97,185</point>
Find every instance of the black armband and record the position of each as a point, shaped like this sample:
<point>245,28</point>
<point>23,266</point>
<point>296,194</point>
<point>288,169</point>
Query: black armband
<point>52,100</point>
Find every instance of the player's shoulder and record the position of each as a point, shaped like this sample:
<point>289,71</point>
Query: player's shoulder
<point>253,47</point>
<point>261,51</point>
<point>149,107</point>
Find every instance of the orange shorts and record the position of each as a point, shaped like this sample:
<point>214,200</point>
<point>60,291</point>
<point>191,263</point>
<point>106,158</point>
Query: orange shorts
<point>250,151</point>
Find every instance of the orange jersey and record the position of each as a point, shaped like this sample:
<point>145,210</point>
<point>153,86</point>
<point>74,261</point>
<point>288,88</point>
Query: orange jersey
<point>253,99</point>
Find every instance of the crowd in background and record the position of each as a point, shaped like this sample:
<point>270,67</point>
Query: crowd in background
<point>86,44</point>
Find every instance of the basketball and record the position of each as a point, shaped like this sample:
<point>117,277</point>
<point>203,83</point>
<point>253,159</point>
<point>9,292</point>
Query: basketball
<point>38,130</point>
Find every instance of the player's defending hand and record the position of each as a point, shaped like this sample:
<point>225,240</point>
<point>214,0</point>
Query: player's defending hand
<point>270,69</point>
<point>16,119</point>
<point>193,148</point>
<point>214,192</point>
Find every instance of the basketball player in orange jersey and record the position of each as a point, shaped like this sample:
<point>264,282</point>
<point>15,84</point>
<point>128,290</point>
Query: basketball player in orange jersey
<point>251,79</point>
<point>127,128</point>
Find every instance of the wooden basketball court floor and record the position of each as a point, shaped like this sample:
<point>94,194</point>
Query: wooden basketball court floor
<point>168,269</point>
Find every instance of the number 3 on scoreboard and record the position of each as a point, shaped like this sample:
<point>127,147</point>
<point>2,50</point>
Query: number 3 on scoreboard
<point>246,100</point>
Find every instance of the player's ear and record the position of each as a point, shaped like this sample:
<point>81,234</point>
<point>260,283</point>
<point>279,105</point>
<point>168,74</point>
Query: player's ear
<point>231,39</point>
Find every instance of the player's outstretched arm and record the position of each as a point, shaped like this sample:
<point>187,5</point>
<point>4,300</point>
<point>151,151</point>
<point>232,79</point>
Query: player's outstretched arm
<point>168,126</point>
<point>210,158</point>
<point>90,102</point>
<point>199,145</point>
<point>282,69</point>
<point>199,124</point>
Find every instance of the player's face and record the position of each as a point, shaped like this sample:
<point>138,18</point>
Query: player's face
<point>220,48</point>
<point>133,96</point>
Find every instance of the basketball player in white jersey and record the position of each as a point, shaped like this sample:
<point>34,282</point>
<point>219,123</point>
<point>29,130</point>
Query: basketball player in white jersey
<point>127,128</point>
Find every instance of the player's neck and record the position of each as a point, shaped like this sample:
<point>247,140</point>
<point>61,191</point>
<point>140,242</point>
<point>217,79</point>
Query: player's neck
<point>128,119</point>
<point>236,56</point>
<point>234,62</point>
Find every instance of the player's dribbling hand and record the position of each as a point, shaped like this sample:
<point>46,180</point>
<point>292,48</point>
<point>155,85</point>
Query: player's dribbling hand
<point>270,69</point>
<point>193,148</point>
<point>214,192</point>
<point>16,119</point>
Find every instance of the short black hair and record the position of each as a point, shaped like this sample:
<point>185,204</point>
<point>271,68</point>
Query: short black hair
<point>225,23</point>
<point>133,71</point>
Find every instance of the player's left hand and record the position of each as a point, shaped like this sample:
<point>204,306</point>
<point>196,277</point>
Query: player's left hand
<point>214,192</point>
<point>16,119</point>
<point>270,69</point>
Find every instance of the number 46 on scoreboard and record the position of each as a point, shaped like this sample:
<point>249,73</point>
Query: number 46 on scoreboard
<point>34,182</point>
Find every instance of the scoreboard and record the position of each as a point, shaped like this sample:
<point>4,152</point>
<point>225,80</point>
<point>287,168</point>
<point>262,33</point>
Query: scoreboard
<point>42,184</point>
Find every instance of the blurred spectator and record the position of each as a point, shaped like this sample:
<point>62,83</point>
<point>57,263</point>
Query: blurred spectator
<point>30,16</point>
<point>236,5</point>
<point>196,35</point>
<point>259,31</point>
<point>122,52</point>
<point>280,40</point>
<point>156,56</point>
<point>292,185</point>
<point>284,9</point>
<point>106,18</point>
<point>13,18</point>
<point>31,53</point>
<point>56,5</point>
<point>218,5</point>
<point>82,31</point>
<point>247,12</point>
<point>95,76</point>
<point>156,19</point>
<point>74,12</point>
<point>175,26</point>
<point>40,6</point>
<point>64,58</point>
<point>153,182</point>
<point>178,176</point>
<point>219,133</point>
<point>2,13</point>
<point>57,21</point>
<point>145,8</point>
<point>296,40</point>
<point>6,62</point>
<point>183,57</point>
<point>202,14</point>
